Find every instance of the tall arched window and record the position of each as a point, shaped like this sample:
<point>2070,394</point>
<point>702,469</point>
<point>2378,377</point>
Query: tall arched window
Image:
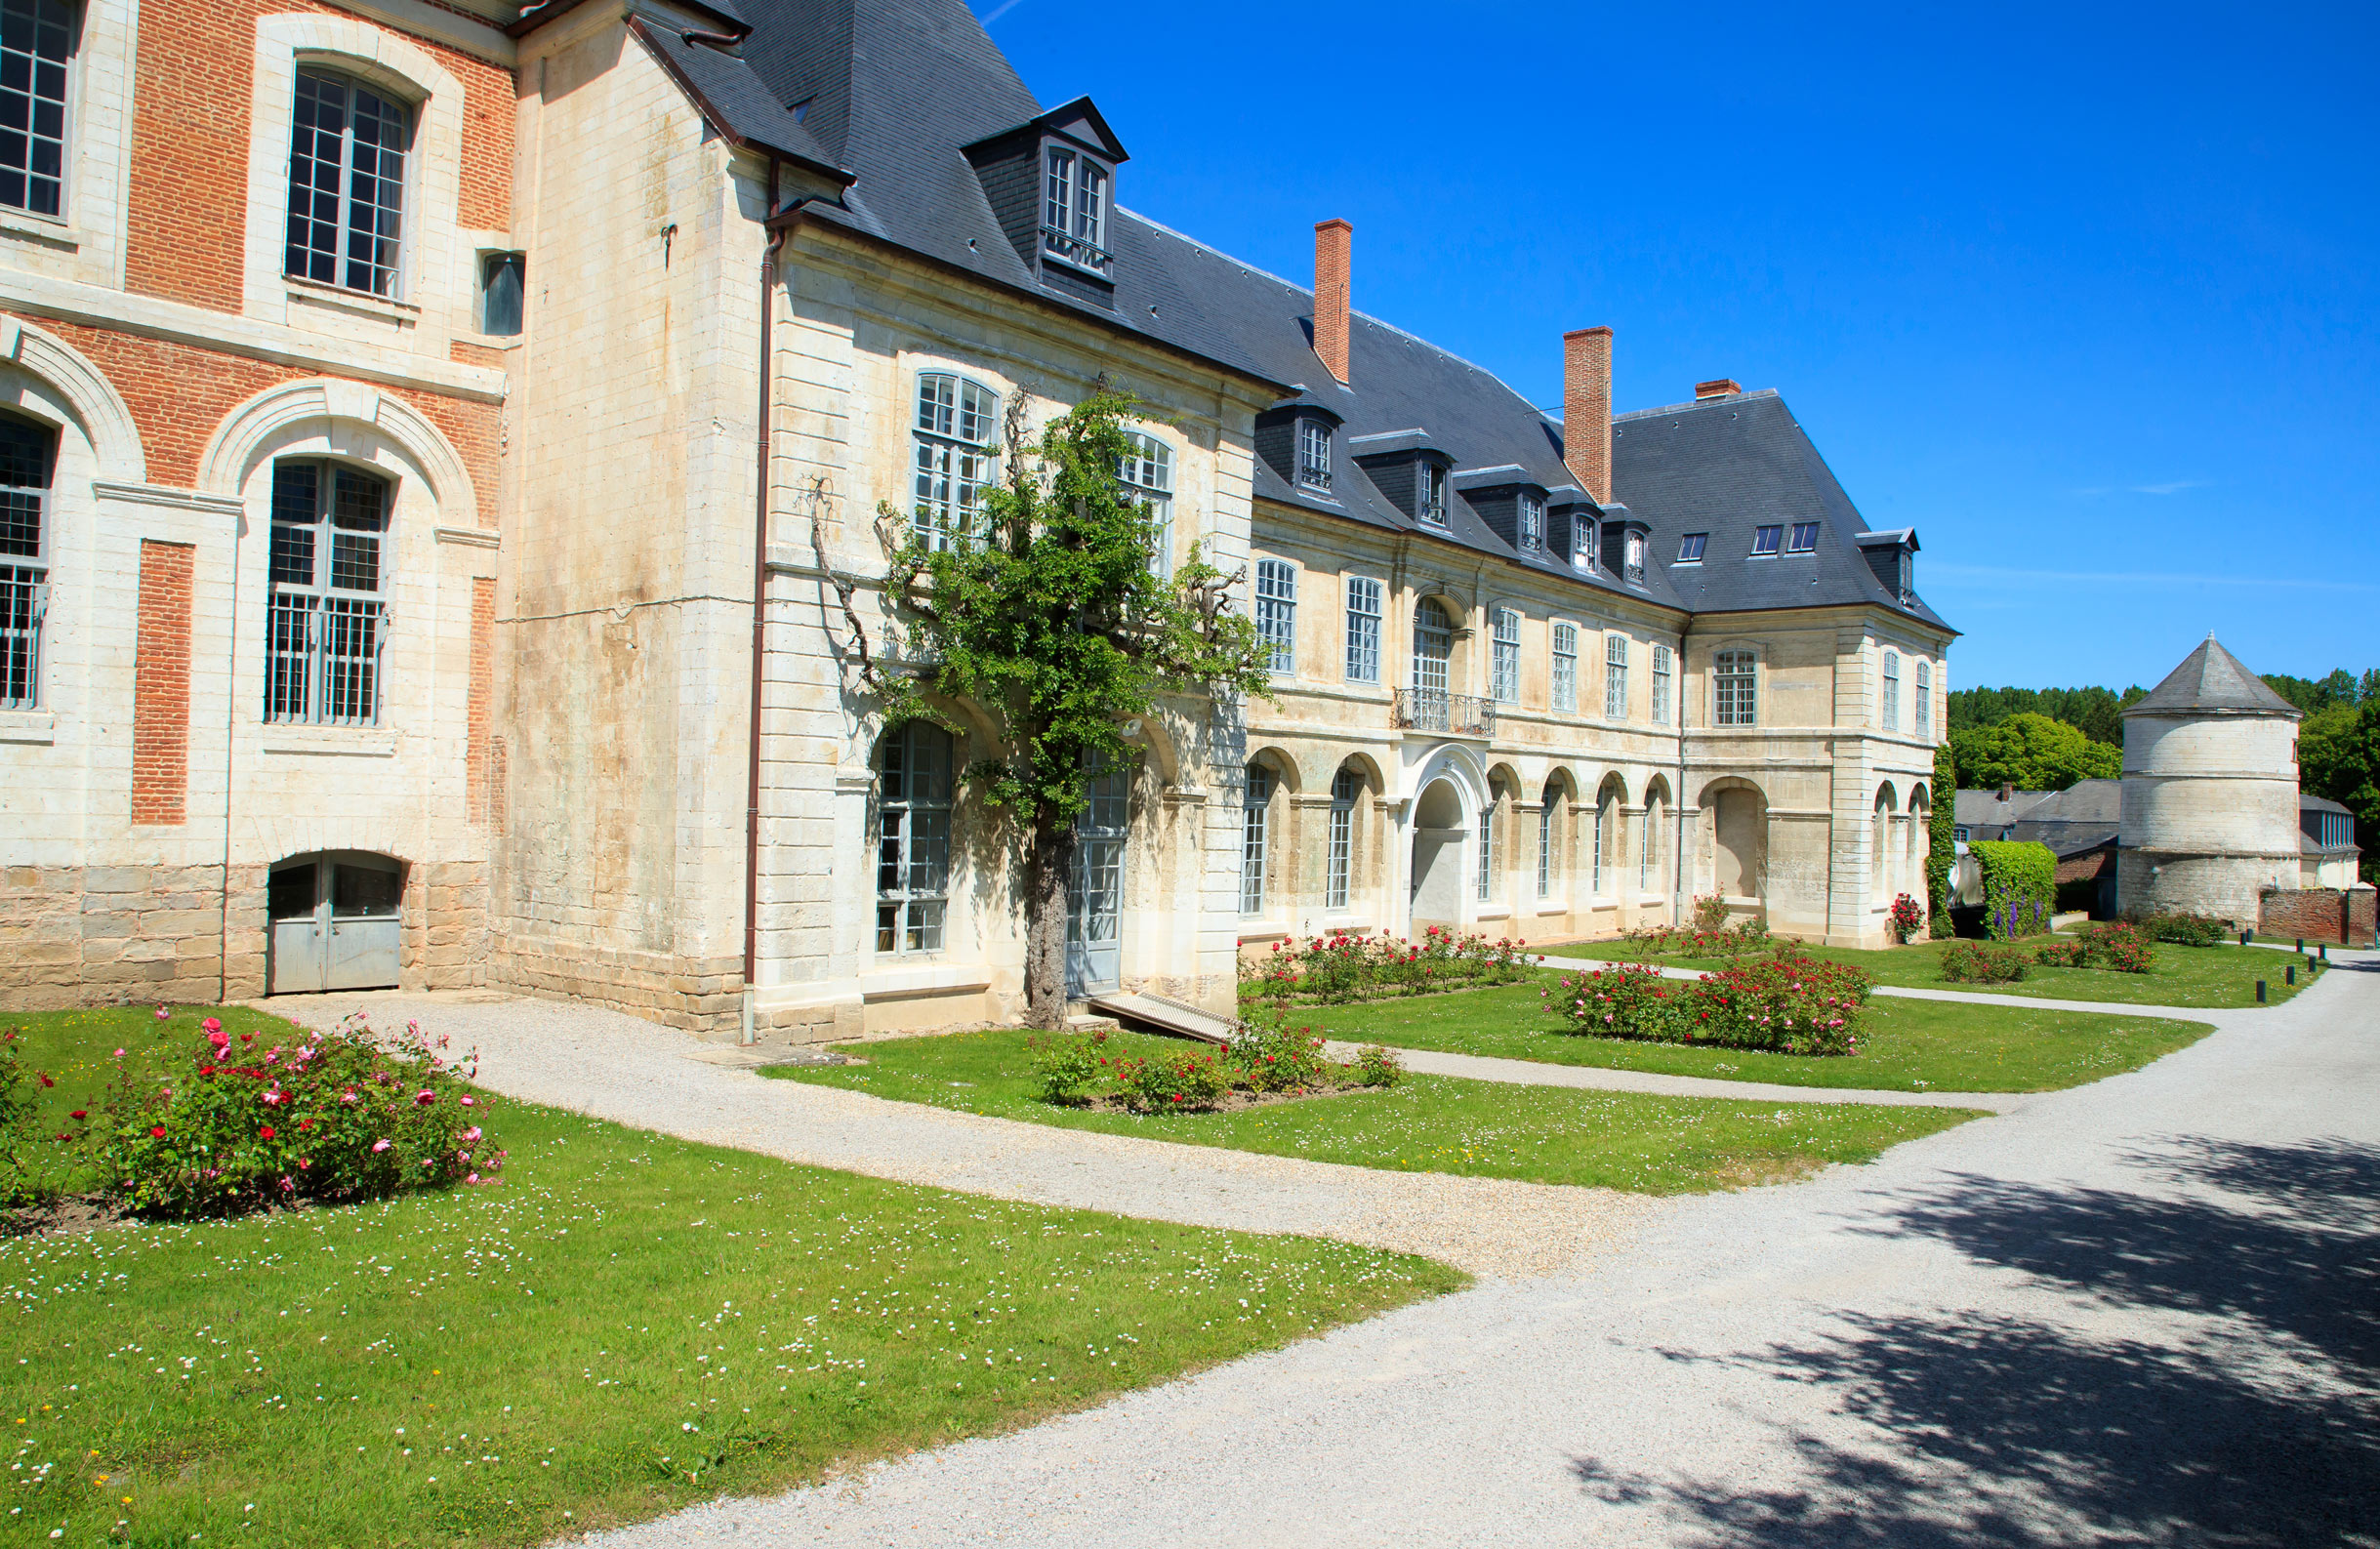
<point>1487,843</point>
<point>1548,816</point>
<point>1433,647</point>
<point>957,420</point>
<point>913,838</point>
<point>1255,808</point>
<point>1879,869</point>
<point>1924,719</point>
<point>326,622</point>
<point>1345,789</point>
<point>1646,864</point>
<point>347,183</point>
<point>28,452</point>
<point>1891,691</point>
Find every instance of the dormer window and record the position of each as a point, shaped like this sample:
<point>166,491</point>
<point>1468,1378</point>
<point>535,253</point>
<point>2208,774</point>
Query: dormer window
<point>1690,549</point>
<point>1431,486</point>
<point>1765,542</point>
<point>1804,540</point>
<point>1533,522</point>
<point>1314,453</point>
<point>1074,209</point>
<point>1636,556</point>
<point>1582,542</point>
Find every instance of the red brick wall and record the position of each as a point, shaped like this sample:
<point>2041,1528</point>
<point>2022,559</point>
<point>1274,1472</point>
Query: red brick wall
<point>2320,913</point>
<point>190,134</point>
<point>161,686</point>
<point>180,394</point>
<point>1334,255</point>
<point>2089,863</point>
<point>1587,409</point>
<point>481,704</point>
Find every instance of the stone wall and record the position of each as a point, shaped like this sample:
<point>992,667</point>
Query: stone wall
<point>2343,916</point>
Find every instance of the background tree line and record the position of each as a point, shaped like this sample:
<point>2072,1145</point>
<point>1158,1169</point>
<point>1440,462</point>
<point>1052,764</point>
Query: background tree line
<point>2046,738</point>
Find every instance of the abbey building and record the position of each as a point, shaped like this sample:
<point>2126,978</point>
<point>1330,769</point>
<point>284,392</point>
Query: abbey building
<point>446,448</point>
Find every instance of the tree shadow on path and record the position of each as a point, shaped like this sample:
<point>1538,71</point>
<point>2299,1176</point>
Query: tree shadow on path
<point>2249,1420</point>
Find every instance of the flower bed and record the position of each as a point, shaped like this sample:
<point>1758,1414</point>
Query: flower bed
<point>2112,945</point>
<point>1705,938</point>
<point>1788,1003</point>
<point>1981,962</point>
<point>2183,930</point>
<point>1340,968</point>
<point>1267,1061</point>
<point>232,1124</point>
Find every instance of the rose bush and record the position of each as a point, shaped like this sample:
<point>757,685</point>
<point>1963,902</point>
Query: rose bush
<point>1340,966</point>
<point>1788,1003</point>
<point>334,1116</point>
<point>1983,962</point>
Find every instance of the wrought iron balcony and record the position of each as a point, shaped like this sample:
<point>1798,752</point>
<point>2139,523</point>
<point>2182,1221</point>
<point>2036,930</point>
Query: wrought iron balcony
<point>1454,715</point>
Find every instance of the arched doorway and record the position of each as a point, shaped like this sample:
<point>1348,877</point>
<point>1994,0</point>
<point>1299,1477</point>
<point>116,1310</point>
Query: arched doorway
<point>334,923</point>
<point>1094,893</point>
<point>1739,820</point>
<point>1439,840</point>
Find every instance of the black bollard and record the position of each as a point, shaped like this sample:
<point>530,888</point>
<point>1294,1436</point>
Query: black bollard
<point>2260,992</point>
<point>2325,951</point>
<point>2301,946</point>
<point>2291,974</point>
<point>2243,937</point>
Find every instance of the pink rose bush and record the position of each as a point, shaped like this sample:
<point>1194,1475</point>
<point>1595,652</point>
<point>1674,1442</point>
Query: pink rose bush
<point>1340,966</point>
<point>343,1117</point>
<point>1787,1004</point>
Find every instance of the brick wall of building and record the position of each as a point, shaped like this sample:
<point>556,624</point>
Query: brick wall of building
<point>190,137</point>
<point>161,685</point>
<point>2321,914</point>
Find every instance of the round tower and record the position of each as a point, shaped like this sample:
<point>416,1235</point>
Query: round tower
<point>2210,792</point>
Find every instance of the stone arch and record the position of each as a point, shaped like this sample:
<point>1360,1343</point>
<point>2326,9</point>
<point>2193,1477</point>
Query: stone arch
<point>99,411</point>
<point>1607,834</point>
<point>1879,841</point>
<point>1654,842</point>
<point>1739,813</point>
<point>241,440</point>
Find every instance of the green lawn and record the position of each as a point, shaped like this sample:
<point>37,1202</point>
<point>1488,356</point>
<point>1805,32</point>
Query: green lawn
<point>1613,1140</point>
<point>1912,1044</point>
<point>626,1325</point>
<point>2210,977</point>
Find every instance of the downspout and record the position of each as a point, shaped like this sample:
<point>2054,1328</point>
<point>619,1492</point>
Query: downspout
<point>222,942</point>
<point>779,236</point>
<point>1678,886</point>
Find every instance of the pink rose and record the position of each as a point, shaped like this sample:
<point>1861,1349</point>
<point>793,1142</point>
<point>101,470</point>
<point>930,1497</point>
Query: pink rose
<point>380,1145</point>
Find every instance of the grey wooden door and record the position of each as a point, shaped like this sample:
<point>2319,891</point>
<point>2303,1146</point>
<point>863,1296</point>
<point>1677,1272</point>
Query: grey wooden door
<point>1094,893</point>
<point>334,925</point>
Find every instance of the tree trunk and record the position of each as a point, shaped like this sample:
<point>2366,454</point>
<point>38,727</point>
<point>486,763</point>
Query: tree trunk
<point>1048,858</point>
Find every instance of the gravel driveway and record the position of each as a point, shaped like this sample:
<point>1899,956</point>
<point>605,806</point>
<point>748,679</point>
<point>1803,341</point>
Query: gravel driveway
<point>2141,1312</point>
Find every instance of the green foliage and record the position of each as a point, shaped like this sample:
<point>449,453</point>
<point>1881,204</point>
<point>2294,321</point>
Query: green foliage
<point>2031,753</point>
<point>1375,1066</point>
<point>28,1181</point>
<point>2112,945</point>
<point>2096,712</point>
<point>2338,756</point>
<point>2338,688</point>
<point>1275,1057</point>
<point>1943,838</point>
<point>1789,1004</point>
<point>2183,930</point>
<point>2020,888</point>
<point>1979,962</point>
<point>1052,619</point>
<point>1182,1080</point>
<point>1067,1063</point>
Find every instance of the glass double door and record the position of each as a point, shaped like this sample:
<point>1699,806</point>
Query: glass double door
<point>1094,890</point>
<point>334,924</point>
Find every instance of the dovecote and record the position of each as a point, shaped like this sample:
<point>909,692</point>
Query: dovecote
<point>1051,185</point>
<point>1412,473</point>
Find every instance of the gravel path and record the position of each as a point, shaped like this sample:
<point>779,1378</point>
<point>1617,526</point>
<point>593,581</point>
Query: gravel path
<point>1537,1072</point>
<point>2139,1312</point>
<point>616,1067</point>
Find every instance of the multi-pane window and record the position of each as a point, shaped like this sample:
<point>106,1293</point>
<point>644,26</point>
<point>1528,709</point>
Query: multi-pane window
<point>1430,484</point>
<point>37,39</point>
<point>1533,521</point>
<point>1363,630</point>
<point>1636,550</point>
<point>1546,848</point>
<point>1923,723</point>
<point>1582,541</point>
<point>1603,811</point>
<point>1566,667</point>
<point>1735,695</point>
<point>955,426</point>
<point>1254,807</point>
<point>1690,547</point>
<point>1615,677</point>
<point>1147,475</point>
<point>1765,541</point>
<point>1505,684</point>
<point>1644,856</point>
<point>27,454</point>
<point>347,183</point>
<point>1803,540</point>
<point>1891,691</point>
<point>1433,647</point>
<point>1074,208</point>
<point>913,838</point>
<point>1313,454</point>
<point>1661,685</point>
<point>1342,858</point>
<point>325,622</point>
<point>1277,613</point>
<point>1486,850</point>
<point>501,280</point>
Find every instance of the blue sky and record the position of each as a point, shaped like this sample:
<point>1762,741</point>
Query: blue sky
<point>2085,294</point>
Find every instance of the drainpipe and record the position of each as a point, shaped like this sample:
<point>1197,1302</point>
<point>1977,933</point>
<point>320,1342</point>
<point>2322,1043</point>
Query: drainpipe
<point>223,940</point>
<point>1678,886</point>
<point>781,225</point>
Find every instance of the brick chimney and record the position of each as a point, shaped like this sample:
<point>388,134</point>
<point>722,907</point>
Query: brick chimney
<point>1586,410</point>
<point>1724,388</point>
<point>1334,242</point>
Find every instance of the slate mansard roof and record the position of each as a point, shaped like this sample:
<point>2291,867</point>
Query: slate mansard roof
<point>888,95</point>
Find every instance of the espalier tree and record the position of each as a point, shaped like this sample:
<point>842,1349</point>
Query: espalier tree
<point>1049,616</point>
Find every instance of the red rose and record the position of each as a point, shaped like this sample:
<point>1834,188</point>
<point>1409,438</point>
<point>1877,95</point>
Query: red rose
<point>79,1114</point>
<point>266,1131</point>
<point>156,1133</point>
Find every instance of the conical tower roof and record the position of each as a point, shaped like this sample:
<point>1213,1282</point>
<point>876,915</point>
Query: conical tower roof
<point>2212,681</point>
